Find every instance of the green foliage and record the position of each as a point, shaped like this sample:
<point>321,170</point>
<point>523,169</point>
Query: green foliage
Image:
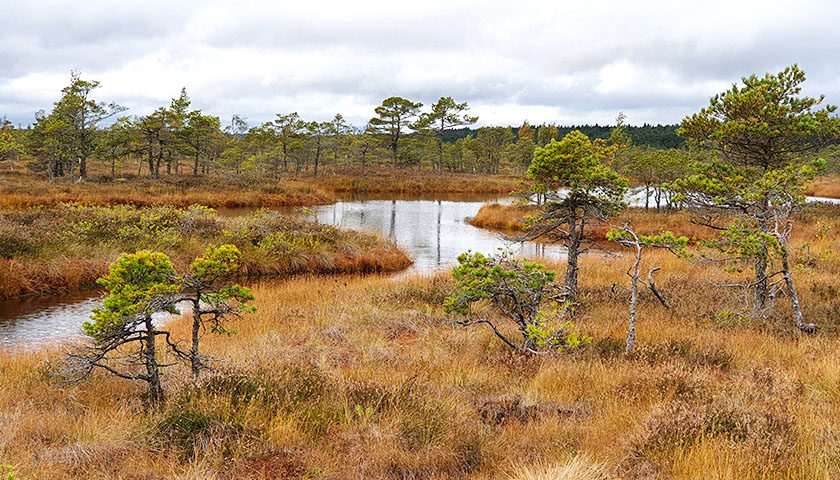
<point>134,282</point>
<point>578,164</point>
<point>665,239</point>
<point>7,472</point>
<point>763,123</point>
<point>481,277</point>
<point>216,263</point>
<point>205,274</point>
<point>551,330</point>
<point>517,288</point>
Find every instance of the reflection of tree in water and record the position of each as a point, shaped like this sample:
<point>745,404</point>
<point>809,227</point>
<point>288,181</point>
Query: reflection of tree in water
<point>440,207</point>
<point>392,232</point>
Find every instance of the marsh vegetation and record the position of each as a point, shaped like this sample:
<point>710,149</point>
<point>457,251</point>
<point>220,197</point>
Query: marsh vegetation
<point>725,368</point>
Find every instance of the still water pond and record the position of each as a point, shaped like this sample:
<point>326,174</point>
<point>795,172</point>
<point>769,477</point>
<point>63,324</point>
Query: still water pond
<point>433,232</point>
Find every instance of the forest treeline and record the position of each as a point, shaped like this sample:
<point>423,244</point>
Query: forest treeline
<point>654,136</point>
<point>80,133</point>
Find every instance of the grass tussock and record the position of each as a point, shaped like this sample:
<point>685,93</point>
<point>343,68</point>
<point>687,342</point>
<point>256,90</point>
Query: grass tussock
<point>503,217</point>
<point>365,377</point>
<point>68,246</point>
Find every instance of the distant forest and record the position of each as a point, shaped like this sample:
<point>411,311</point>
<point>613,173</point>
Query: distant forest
<point>656,136</point>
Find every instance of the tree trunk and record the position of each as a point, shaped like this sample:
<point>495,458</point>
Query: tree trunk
<point>157,163</point>
<point>634,300</point>
<point>573,251</point>
<point>195,167</point>
<point>795,307</point>
<point>72,171</point>
<point>195,360</point>
<point>152,370</point>
<point>151,162</point>
<point>440,150</point>
<point>760,281</point>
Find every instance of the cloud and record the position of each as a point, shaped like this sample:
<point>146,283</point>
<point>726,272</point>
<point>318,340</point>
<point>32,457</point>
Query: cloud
<point>567,62</point>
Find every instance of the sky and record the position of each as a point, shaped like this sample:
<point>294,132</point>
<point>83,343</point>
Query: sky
<point>555,62</point>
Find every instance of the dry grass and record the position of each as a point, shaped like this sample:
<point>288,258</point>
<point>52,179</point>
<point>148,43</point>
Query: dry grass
<point>24,190</point>
<point>510,218</point>
<point>828,186</point>
<point>502,217</point>
<point>388,181</point>
<point>712,392</point>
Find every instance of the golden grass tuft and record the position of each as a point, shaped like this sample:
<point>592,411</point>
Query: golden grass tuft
<point>577,468</point>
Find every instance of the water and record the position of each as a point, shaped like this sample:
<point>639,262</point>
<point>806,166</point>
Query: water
<point>32,321</point>
<point>431,229</point>
<point>432,232</point>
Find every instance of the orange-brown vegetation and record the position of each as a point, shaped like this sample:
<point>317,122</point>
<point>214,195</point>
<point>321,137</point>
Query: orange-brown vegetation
<point>24,190</point>
<point>828,186</point>
<point>70,246</point>
<point>366,377</point>
<point>510,218</point>
<point>495,216</point>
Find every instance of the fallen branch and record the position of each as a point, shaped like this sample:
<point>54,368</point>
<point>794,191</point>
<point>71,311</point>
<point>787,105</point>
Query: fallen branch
<point>652,286</point>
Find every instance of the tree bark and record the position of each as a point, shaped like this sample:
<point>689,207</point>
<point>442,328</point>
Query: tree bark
<point>152,370</point>
<point>796,308</point>
<point>195,360</point>
<point>760,281</point>
<point>573,251</point>
<point>634,299</point>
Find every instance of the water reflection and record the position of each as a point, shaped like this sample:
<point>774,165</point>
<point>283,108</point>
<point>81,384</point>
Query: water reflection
<point>32,321</point>
<point>432,232</point>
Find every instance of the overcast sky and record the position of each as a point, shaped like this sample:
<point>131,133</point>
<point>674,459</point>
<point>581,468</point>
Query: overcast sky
<point>564,62</point>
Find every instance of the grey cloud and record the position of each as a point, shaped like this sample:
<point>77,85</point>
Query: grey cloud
<point>546,59</point>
